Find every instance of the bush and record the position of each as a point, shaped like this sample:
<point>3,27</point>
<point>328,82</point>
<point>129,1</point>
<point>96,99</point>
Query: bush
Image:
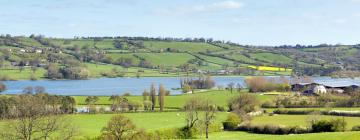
<point>293,112</point>
<point>322,126</point>
<point>187,133</point>
<point>355,128</point>
<point>232,122</point>
<point>273,129</point>
<point>245,103</point>
<point>127,94</point>
<point>220,108</point>
<point>334,125</point>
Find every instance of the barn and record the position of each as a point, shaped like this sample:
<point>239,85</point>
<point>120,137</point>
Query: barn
<point>320,87</point>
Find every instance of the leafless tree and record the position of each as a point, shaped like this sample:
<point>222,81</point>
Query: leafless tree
<point>209,109</point>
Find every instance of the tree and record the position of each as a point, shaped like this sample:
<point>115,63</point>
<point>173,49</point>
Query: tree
<point>231,86</point>
<point>147,105</point>
<point>244,103</point>
<point>210,109</point>
<point>145,95</point>
<point>191,108</point>
<point>39,89</point>
<point>2,87</point>
<point>152,96</point>
<point>28,90</point>
<point>115,101</point>
<point>35,120</point>
<point>239,87</point>
<point>118,128</point>
<point>90,101</point>
<point>161,96</point>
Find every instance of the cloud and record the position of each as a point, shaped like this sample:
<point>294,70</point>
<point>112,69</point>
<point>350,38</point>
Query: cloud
<point>216,6</point>
<point>203,8</point>
<point>340,20</point>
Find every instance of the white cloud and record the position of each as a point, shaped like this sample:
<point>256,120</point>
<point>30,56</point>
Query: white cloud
<point>204,8</point>
<point>340,20</point>
<point>216,6</point>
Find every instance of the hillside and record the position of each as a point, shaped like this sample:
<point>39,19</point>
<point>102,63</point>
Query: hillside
<point>37,57</point>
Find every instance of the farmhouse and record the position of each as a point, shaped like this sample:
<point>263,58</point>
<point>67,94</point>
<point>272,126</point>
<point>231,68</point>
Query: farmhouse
<point>322,87</point>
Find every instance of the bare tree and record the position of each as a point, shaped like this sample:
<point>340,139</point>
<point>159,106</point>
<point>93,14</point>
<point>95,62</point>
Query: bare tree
<point>231,86</point>
<point>192,111</point>
<point>210,109</point>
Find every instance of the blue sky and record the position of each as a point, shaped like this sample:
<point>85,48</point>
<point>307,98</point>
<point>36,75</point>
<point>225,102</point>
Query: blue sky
<point>254,22</point>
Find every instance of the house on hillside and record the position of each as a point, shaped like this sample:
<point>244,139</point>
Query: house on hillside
<point>324,87</point>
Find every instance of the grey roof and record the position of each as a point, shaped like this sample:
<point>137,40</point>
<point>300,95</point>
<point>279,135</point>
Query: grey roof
<point>338,83</point>
<point>303,84</point>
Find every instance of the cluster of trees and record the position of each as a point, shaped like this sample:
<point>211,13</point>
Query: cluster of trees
<point>149,98</point>
<point>203,82</point>
<point>37,116</point>
<point>121,103</point>
<point>70,71</point>
<point>200,113</point>
<point>329,100</point>
<point>263,84</point>
<point>53,103</point>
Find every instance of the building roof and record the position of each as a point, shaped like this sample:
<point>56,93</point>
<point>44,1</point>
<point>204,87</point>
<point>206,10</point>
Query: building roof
<point>333,84</point>
<point>336,84</point>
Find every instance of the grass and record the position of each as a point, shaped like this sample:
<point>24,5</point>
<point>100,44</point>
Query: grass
<point>220,98</point>
<point>16,74</point>
<point>216,60</point>
<point>181,46</point>
<point>90,125</point>
<point>166,59</point>
<point>271,57</point>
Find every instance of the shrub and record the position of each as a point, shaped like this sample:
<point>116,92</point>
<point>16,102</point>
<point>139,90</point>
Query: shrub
<point>126,94</point>
<point>245,103</point>
<point>273,129</point>
<point>262,84</point>
<point>328,126</point>
<point>355,128</point>
<point>232,122</point>
<point>187,132</point>
<point>220,108</point>
<point>293,112</point>
<point>343,113</point>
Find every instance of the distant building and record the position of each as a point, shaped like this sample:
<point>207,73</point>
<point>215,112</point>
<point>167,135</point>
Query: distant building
<point>324,87</point>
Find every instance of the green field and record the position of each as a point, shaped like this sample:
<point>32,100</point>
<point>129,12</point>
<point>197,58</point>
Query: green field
<point>271,57</point>
<point>166,59</point>
<point>15,74</point>
<point>220,98</point>
<point>181,46</point>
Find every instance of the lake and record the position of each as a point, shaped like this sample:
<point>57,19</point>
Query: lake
<point>110,86</point>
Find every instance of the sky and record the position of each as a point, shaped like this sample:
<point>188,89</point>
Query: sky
<point>248,22</point>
